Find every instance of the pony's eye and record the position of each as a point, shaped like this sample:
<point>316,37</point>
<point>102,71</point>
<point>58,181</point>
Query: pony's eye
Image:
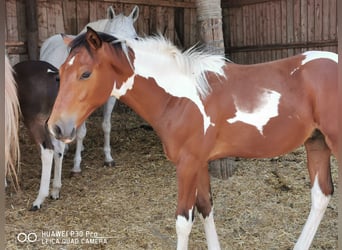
<point>85,75</point>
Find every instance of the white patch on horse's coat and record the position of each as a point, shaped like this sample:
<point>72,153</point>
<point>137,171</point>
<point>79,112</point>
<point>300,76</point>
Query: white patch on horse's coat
<point>314,55</point>
<point>319,205</point>
<point>183,229</point>
<point>179,74</point>
<point>51,71</point>
<point>210,230</point>
<point>128,85</point>
<point>259,117</point>
<point>71,61</point>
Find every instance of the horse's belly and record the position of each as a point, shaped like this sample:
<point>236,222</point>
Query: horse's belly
<point>278,137</point>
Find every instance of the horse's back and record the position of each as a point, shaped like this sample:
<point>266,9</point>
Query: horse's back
<point>38,86</point>
<point>54,51</point>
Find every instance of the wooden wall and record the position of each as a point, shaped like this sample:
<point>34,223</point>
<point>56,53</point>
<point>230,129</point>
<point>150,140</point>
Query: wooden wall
<point>254,30</point>
<point>175,19</point>
<point>257,31</point>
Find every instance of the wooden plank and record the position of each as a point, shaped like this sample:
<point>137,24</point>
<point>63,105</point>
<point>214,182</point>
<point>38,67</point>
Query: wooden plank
<point>311,20</point>
<point>160,3</point>
<point>333,19</point>
<point>290,25</point>
<point>239,3</point>
<point>160,21</point>
<point>69,18</point>
<point>304,20</point>
<point>290,47</point>
<point>82,14</point>
<point>194,37</point>
<point>297,30</point>
<point>318,20</point>
<point>325,19</point>
<point>171,23</point>
<point>245,26</point>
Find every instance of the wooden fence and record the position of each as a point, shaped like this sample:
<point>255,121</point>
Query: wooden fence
<point>257,31</point>
<point>175,19</point>
<point>254,30</point>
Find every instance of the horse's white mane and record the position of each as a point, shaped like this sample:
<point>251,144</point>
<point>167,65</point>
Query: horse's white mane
<point>192,62</point>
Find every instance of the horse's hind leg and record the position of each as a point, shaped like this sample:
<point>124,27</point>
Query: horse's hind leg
<point>58,158</point>
<point>106,126</point>
<point>318,160</point>
<point>46,157</point>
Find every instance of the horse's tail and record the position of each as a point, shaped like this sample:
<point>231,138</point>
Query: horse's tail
<point>12,112</point>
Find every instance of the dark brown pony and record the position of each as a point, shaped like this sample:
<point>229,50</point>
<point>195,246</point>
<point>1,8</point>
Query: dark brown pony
<point>38,84</point>
<point>203,108</point>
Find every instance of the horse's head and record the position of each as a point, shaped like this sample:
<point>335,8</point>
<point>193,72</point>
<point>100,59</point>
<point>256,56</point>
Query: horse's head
<point>86,80</point>
<point>118,25</point>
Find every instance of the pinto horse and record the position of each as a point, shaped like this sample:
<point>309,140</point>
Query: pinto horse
<point>203,107</point>
<point>55,51</point>
<point>12,112</point>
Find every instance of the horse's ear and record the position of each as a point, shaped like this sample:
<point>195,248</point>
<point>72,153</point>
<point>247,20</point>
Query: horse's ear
<point>110,12</point>
<point>93,39</point>
<point>67,39</point>
<point>135,13</point>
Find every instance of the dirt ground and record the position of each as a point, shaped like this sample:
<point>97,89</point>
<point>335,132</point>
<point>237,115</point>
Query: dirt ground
<point>264,205</point>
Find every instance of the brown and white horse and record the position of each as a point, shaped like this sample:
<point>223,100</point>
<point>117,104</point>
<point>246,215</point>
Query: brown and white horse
<point>12,112</point>
<point>203,108</point>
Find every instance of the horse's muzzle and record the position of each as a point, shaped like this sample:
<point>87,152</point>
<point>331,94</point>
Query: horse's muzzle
<point>62,131</point>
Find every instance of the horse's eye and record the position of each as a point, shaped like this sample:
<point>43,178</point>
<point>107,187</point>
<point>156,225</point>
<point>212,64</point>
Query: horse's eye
<point>85,75</point>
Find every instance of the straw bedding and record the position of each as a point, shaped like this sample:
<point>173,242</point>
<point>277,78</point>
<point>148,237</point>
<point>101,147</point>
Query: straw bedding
<point>131,206</point>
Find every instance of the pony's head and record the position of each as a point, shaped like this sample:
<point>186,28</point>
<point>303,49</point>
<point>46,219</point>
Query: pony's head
<point>87,77</point>
<point>118,25</point>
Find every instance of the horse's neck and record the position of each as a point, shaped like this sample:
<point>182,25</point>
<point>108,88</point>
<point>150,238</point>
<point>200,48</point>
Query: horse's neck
<point>148,100</point>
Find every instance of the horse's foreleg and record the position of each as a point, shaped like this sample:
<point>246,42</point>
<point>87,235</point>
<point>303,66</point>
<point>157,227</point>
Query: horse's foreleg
<point>80,134</point>
<point>186,177</point>
<point>58,158</point>
<point>46,158</point>
<point>318,157</point>
<point>106,126</point>
<point>204,206</point>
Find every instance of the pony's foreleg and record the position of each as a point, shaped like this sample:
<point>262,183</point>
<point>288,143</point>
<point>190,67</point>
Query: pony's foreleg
<point>80,134</point>
<point>318,156</point>
<point>106,126</point>
<point>186,177</point>
<point>46,157</point>
<point>204,206</point>
<point>58,158</point>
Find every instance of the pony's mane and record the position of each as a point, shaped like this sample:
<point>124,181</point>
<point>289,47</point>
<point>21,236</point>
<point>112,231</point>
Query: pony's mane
<point>192,62</point>
<point>80,41</point>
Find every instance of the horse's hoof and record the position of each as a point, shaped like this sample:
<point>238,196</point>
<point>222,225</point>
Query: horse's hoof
<point>53,197</point>
<point>109,164</point>
<point>35,208</point>
<point>75,174</point>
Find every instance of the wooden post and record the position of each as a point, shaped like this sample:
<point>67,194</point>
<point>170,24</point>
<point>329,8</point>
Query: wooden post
<point>209,17</point>
<point>32,29</point>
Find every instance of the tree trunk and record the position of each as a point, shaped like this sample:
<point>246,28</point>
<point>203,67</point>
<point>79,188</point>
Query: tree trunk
<point>209,17</point>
